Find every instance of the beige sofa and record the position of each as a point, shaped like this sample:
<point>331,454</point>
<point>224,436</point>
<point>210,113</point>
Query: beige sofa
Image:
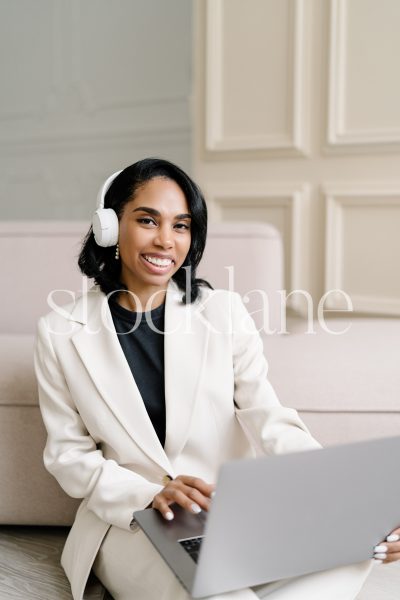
<point>345,386</point>
<point>43,259</point>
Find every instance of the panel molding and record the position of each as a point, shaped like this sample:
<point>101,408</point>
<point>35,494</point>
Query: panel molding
<point>338,137</point>
<point>295,141</point>
<point>292,198</point>
<point>338,197</point>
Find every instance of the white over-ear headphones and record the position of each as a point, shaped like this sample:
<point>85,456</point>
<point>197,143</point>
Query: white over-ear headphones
<point>105,221</point>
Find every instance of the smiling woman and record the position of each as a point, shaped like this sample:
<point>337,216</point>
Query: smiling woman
<point>141,416</point>
<point>162,217</point>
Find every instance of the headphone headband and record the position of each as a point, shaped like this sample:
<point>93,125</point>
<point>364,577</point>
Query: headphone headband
<point>105,187</point>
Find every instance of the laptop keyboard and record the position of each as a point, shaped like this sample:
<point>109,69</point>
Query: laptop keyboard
<point>192,546</point>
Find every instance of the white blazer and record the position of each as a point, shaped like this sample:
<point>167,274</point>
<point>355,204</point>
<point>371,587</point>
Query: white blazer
<point>101,445</point>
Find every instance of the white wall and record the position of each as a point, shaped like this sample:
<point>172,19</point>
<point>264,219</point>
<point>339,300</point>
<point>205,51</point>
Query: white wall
<point>297,123</point>
<point>88,87</point>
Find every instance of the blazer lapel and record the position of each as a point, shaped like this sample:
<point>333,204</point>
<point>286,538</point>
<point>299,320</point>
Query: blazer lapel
<point>185,350</point>
<point>99,349</point>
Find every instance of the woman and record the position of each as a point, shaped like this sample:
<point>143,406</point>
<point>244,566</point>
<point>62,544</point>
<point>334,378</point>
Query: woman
<point>149,382</point>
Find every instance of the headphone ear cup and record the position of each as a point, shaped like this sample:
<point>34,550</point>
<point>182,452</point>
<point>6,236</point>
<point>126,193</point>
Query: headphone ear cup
<point>105,227</point>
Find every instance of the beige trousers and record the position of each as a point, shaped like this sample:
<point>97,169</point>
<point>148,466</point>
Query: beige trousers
<point>131,569</point>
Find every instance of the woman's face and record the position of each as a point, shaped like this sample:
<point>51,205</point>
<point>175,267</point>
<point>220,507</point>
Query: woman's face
<point>154,236</point>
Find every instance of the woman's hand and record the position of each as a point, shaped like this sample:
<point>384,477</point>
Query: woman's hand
<point>191,493</point>
<point>389,550</point>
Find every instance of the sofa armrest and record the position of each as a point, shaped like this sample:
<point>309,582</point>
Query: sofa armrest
<point>29,495</point>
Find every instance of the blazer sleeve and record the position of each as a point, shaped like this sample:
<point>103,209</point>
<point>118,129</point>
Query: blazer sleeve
<point>274,429</point>
<point>71,454</point>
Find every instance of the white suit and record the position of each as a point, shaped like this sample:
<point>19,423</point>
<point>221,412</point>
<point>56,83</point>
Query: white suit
<point>101,444</point>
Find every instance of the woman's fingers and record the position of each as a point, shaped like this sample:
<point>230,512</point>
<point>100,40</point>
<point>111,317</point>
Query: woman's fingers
<point>392,557</point>
<point>162,505</point>
<point>389,550</point>
<point>195,482</point>
<point>174,495</point>
<point>198,498</point>
<point>189,492</point>
<point>387,558</point>
<point>181,495</point>
<point>196,489</point>
<point>394,536</point>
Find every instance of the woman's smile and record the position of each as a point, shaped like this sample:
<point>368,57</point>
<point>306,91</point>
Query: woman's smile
<point>157,263</point>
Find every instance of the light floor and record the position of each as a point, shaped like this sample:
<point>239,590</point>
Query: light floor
<point>30,569</point>
<point>30,565</point>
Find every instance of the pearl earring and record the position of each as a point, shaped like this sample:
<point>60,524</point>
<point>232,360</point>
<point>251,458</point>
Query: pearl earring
<point>117,252</point>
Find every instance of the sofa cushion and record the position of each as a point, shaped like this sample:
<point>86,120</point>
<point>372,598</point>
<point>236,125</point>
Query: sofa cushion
<point>357,371</point>
<point>346,387</point>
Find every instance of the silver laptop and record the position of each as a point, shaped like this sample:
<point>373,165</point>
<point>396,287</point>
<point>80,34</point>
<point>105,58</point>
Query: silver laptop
<point>278,517</point>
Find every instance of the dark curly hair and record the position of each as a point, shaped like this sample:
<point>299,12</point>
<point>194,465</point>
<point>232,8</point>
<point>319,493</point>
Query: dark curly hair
<point>99,263</point>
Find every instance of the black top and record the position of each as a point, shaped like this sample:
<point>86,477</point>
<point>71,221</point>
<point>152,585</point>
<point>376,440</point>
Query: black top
<point>144,350</point>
